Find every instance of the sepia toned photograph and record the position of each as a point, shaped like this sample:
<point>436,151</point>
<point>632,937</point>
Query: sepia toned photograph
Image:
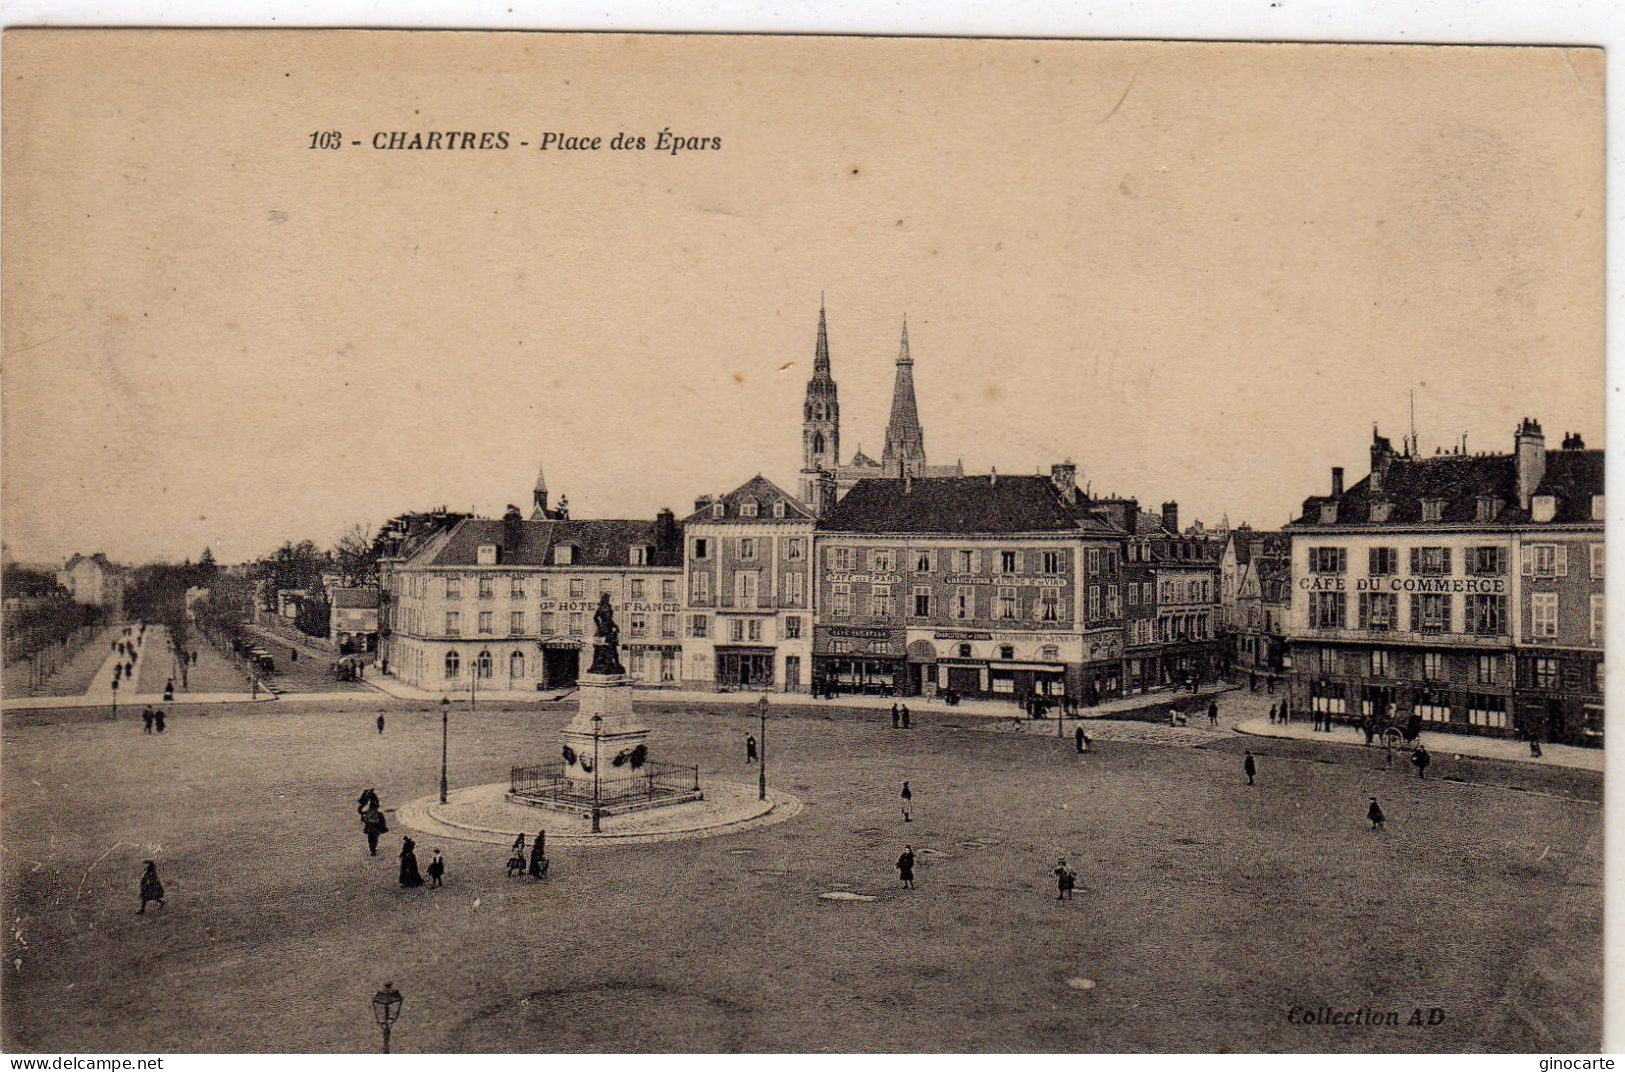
<point>630,543</point>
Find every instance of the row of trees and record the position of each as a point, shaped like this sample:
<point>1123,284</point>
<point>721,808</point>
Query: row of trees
<point>304,567</point>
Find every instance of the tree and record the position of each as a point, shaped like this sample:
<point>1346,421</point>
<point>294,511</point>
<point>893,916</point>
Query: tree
<point>206,568</point>
<point>356,557</point>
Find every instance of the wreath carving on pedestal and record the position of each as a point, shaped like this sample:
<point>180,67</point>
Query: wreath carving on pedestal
<point>639,756</point>
<point>569,755</point>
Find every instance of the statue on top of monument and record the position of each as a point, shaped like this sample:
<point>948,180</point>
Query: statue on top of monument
<point>606,657</point>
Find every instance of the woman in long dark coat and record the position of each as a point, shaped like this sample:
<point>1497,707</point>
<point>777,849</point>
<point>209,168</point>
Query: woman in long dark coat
<point>516,857</point>
<point>409,865</point>
<point>151,888</point>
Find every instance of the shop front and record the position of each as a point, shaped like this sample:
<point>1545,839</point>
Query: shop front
<point>744,667</point>
<point>858,660</point>
<point>653,665</point>
<point>561,663</point>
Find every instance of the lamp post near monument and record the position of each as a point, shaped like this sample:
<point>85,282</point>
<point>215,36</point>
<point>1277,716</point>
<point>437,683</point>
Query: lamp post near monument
<point>761,759</point>
<point>445,710</point>
<point>597,736</point>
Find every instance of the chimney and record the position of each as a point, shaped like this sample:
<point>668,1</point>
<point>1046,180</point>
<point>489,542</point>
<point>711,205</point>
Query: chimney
<point>993,476</point>
<point>1382,452</point>
<point>513,527</point>
<point>1065,478</point>
<point>1530,450</point>
<point>1170,517</point>
<point>563,512</point>
<point>668,538</point>
<point>701,503</point>
<point>1572,441</point>
<point>1337,481</point>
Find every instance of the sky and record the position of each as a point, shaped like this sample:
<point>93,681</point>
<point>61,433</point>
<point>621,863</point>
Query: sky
<point>1202,272</point>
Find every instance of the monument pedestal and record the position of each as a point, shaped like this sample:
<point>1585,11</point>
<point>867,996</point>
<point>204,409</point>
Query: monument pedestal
<point>609,697</point>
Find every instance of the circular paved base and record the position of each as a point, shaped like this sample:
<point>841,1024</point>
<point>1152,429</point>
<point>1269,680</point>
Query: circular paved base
<point>483,813</point>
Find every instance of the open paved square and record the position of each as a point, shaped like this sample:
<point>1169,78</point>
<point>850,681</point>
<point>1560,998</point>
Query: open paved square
<point>1210,915</point>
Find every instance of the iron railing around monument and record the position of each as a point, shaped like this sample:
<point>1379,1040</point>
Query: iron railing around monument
<point>651,781</point>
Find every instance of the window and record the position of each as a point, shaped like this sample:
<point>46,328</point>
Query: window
<point>454,588</point>
<point>1052,562</point>
<point>701,548</point>
<point>1486,615</point>
<point>637,625</point>
<point>1114,601</point>
<point>1545,560</point>
<point>840,559</point>
<point>753,629</point>
<point>736,629</point>
<point>1134,594</point>
<point>1597,559</point>
<point>1327,609</point>
<point>1433,665</point>
<point>453,623</point>
<point>1430,613</point>
<point>699,587</point>
<point>547,588</point>
<point>1544,614</point>
<point>1433,705</point>
<point>1383,561</point>
<point>487,586</point>
<point>965,561</point>
<point>922,561</point>
<point>1094,601</point>
<point>635,588</point>
<point>719,508</point>
<point>1049,651</point>
<point>1380,663</point>
<point>1378,611</point>
<point>1147,593</point>
<point>578,588</point>
<point>840,600</point>
<point>1007,603</point>
<point>1049,604</point>
<point>883,560</point>
<point>1007,651</point>
<point>1599,624</point>
<point>576,624</point>
<point>668,625</point>
<point>1329,661</point>
<point>564,555</point>
<point>1545,673</point>
<point>482,665</point>
<point>516,665</point>
<point>1487,561</point>
<point>516,588</point>
<point>964,602</point>
<point>639,556</point>
<point>1111,563</point>
<point>606,585</point>
<point>881,597</point>
<point>1092,561</point>
<point>964,651</point>
<point>1430,561</point>
<point>745,589</point>
<point>668,590</point>
<point>1328,560</point>
<point>1432,509</point>
<point>1489,669</point>
<point>747,548</point>
<point>699,625</point>
<point>516,622</point>
<point>748,508</point>
<point>454,664</point>
<point>794,584</point>
<point>922,601</point>
<point>545,623</point>
<point>1327,697</point>
<point>1486,709</point>
<point>795,549</point>
<point>778,508</point>
<point>792,627</point>
<point>1009,561</point>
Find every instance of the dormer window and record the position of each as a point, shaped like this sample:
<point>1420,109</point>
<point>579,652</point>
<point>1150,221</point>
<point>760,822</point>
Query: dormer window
<point>487,554</point>
<point>778,508</point>
<point>564,555</point>
<point>1381,511</point>
<point>719,508</point>
<point>748,508</point>
<point>1543,508</point>
<point>1432,509</point>
<point>640,556</point>
<point>1328,513</point>
<point>1488,507</point>
<point>1598,512</point>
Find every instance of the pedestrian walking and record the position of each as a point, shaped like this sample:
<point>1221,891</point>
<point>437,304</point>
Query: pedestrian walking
<point>1082,740</point>
<point>146,719</point>
<point>151,888</point>
<point>410,879</point>
<point>293,655</point>
<point>380,724</point>
<point>516,857</point>
<point>905,867</point>
<point>1374,813</point>
<point>750,748</point>
<point>895,716</point>
<point>373,825</point>
<point>169,691</point>
<point>367,799</point>
<point>905,716</point>
<point>1212,713</point>
<point>908,804</point>
<point>538,857</point>
<point>1250,767</point>
<point>1534,746</point>
<point>1272,714</point>
<point>1065,880</point>
<point>1420,757</point>
<point>158,720</point>
<point>437,868</point>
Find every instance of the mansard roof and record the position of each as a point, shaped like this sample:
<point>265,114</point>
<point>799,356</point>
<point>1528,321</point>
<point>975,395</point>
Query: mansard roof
<point>964,504</point>
<point>524,542</point>
<point>760,490</point>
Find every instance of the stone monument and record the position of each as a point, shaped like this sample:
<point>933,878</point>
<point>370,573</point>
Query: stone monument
<point>605,690</point>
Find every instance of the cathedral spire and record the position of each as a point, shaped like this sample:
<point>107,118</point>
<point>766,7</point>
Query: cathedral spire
<point>905,440</point>
<point>821,351</point>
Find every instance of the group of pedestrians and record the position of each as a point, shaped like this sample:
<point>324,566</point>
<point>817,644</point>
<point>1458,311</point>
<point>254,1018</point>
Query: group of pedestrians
<point>899,716</point>
<point>1282,716</point>
<point>537,863</point>
<point>152,718</point>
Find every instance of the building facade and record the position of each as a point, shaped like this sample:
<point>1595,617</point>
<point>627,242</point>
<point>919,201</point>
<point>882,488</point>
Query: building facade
<point>747,590</point>
<point>93,580</point>
<point>983,586</point>
<point>510,602</point>
<point>1411,603</point>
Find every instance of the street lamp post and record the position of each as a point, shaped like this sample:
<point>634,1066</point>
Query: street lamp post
<point>445,710</point>
<point>597,729</point>
<point>115,699</point>
<point>761,764</point>
<point>386,1009</point>
<point>472,678</point>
